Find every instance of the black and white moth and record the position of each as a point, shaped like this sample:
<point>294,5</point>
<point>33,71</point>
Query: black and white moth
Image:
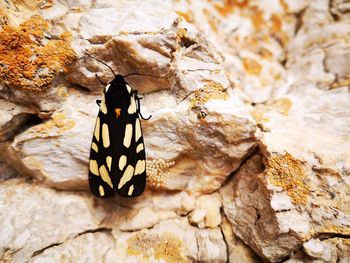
<point>117,157</point>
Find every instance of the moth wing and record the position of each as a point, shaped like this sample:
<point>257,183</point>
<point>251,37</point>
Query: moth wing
<point>133,179</point>
<point>100,182</point>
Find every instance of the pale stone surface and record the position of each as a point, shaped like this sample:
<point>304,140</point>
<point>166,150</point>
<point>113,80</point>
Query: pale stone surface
<point>198,111</point>
<point>237,251</point>
<point>206,212</point>
<point>209,61</point>
<point>90,247</point>
<point>33,217</point>
<point>12,118</point>
<point>332,250</point>
<point>183,243</point>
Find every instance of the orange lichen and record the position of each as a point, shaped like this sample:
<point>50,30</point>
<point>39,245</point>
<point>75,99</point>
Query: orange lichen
<point>58,124</point>
<point>281,106</point>
<point>287,172</point>
<point>257,18</point>
<point>229,5</point>
<point>210,91</point>
<point>188,16</point>
<point>28,60</point>
<point>284,6</point>
<point>166,246</point>
<point>251,66</point>
<point>276,23</point>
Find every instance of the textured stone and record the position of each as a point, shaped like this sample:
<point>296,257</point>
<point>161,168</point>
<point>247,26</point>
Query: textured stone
<point>33,218</point>
<point>12,118</point>
<point>265,83</point>
<point>304,186</point>
<point>171,241</point>
<point>56,151</point>
<point>90,247</point>
<point>332,250</point>
<point>194,103</point>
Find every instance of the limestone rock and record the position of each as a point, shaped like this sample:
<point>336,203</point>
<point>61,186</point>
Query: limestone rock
<point>56,151</point>
<point>12,118</point>
<point>247,148</point>
<point>90,247</point>
<point>33,218</point>
<point>171,241</point>
<point>301,185</point>
<point>206,212</point>
<point>328,250</point>
<point>209,126</point>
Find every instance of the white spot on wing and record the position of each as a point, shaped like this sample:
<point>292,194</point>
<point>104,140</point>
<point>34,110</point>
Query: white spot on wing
<point>140,167</point>
<point>103,107</point>
<point>105,135</point>
<point>129,88</point>
<point>93,167</point>
<point>139,148</point>
<point>127,135</point>
<point>137,130</point>
<point>127,175</point>
<point>94,147</point>
<point>101,190</point>
<point>104,175</point>
<point>122,162</point>
<point>97,129</point>
<point>131,189</point>
<point>109,162</point>
<point>132,106</point>
<point>107,87</point>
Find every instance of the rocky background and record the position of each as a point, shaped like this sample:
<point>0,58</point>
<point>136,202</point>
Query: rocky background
<point>248,149</point>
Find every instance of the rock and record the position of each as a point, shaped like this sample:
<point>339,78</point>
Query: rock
<point>252,37</point>
<point>34,218</point>
<point>7,172</point>
<point>329,250</point>
<point>237,251</point>
<point>12,118</point>
<point>90,247</point>
<point>56,151</point>
<point>250,111</point>
<point>192,101</point>
<point>303,189</point>
<point>171,241</point>
<point>206,212</point>
<point>320,50</point>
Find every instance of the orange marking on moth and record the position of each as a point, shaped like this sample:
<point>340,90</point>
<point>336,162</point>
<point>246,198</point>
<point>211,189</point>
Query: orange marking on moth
<point>117,112</point>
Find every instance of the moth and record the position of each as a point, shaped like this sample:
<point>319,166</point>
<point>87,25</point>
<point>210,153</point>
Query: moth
<point>117,160</point>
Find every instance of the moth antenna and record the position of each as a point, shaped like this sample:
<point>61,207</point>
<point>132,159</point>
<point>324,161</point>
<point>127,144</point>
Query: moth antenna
<point>100,62</point>
<point>141,74</point>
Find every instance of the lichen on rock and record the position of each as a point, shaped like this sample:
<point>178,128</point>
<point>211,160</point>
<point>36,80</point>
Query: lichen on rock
<point>30,58</point>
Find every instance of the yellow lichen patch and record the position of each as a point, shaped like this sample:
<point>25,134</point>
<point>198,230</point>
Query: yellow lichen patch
<point>257,18</point>
<point>281,106</point>
<point>58,123</point>
<point>287,172</point>
<point>251,66</point>
<point>166,246</point>
<point>28,60</point>
<point>332,229</point>
<point>229,5</point>
<point>276,23</point>
<point>188,16</point>
<point>210,91</point>
<point>157,172</point>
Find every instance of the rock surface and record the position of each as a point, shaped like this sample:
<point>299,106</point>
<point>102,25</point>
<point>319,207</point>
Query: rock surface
<point>247,149</point>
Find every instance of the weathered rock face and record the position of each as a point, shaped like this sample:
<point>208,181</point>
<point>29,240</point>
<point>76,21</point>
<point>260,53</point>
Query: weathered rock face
<point>247,149</point>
